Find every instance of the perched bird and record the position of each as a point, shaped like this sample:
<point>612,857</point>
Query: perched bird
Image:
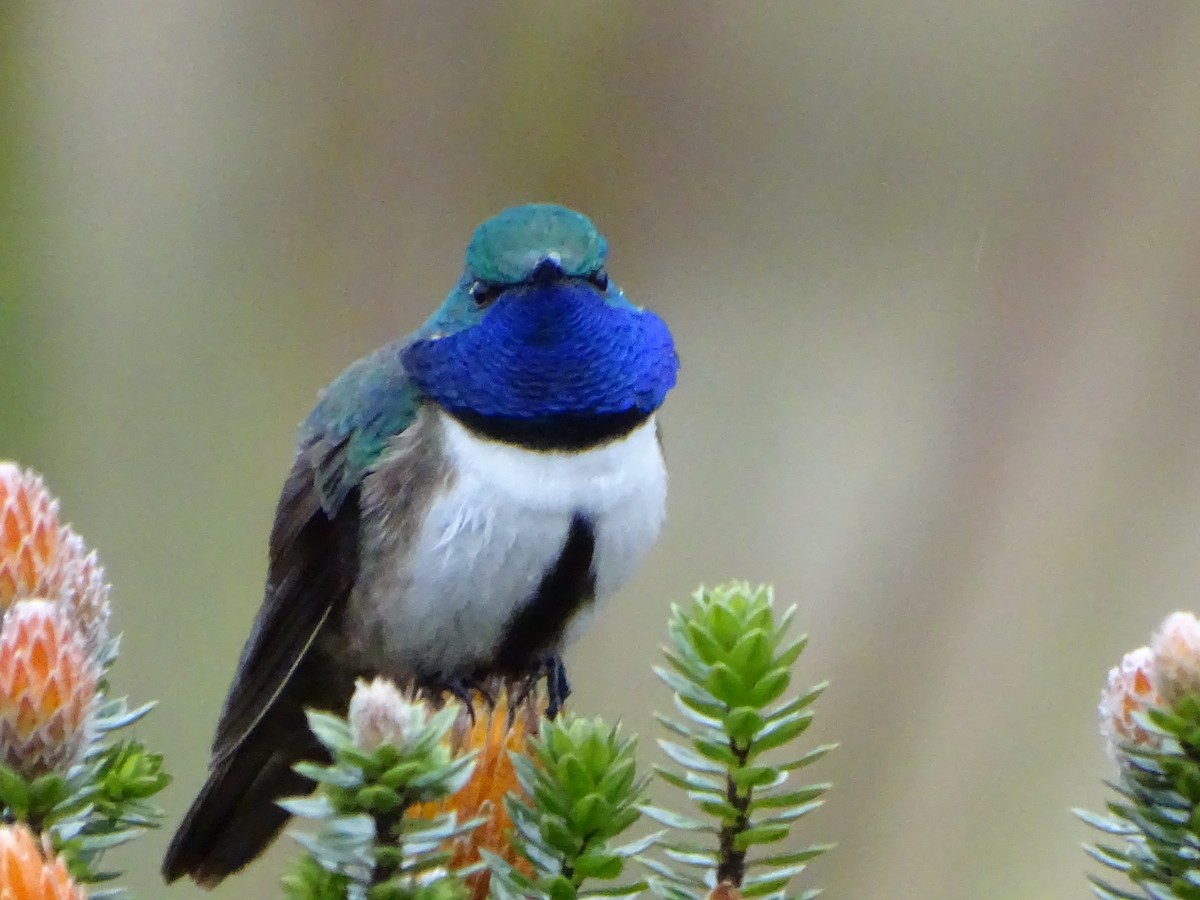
<point>460,500</point>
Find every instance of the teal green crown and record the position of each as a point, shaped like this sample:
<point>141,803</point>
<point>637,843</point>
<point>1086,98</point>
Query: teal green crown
<point>507,248</point>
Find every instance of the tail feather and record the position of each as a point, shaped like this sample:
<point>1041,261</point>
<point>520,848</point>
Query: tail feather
<point>235,816</point>
<point>294,659</point>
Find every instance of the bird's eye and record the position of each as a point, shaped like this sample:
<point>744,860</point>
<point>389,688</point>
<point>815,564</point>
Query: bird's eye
<point>600,279</point>
<point>483,293</point>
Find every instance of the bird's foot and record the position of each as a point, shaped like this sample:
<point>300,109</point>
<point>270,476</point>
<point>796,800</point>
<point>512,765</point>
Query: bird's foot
<point>464,689</point>
<point>557,687</point>
<point>489,688</point>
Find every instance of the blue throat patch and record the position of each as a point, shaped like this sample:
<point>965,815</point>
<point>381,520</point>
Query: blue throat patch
<point>545,354</point>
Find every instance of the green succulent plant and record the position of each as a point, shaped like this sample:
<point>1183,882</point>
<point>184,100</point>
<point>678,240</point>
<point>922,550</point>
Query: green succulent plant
<point>577,786</point>
<point>365,846</point>
<point>730,665</point>
<point>581,790</point>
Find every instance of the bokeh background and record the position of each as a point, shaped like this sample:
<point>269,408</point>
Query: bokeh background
<point>932,268</point>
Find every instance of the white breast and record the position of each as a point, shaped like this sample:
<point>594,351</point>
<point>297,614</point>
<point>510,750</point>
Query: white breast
<point>491,535</point>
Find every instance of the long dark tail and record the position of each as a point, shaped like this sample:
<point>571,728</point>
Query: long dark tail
<point>291,661</point>
<point>235,816</point>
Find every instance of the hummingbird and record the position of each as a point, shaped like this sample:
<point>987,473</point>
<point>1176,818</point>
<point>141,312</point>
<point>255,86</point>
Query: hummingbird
<point>460,502</point>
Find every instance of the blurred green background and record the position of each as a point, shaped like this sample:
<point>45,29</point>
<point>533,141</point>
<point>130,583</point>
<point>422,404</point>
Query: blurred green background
<point>931,268</point>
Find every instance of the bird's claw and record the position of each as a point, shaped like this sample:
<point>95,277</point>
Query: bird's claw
<point>464,689</point>
<point>557,686</point>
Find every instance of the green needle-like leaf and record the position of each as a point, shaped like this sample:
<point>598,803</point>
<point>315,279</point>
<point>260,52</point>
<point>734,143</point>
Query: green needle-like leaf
<point>332,732</point>
<point>676,820</point>
<point>691,761</point>
<point>769,687</point>
<point>781,731</point>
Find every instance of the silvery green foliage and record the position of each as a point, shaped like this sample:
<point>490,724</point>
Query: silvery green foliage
<point>730,668</point>
<point>582,777</point>
<point>1156,812</point>
<point>364,847</point>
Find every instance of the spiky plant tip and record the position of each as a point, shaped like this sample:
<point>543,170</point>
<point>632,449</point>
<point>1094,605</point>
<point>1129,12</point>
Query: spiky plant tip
<point>730,666</point>
<point>391,752</point>
<point>578,791</point>
<point>1150,721</point>
<point>384,825</point>
<point>1176,651</point>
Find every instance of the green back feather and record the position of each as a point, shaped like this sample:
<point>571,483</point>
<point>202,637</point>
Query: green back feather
<point>355,418</point>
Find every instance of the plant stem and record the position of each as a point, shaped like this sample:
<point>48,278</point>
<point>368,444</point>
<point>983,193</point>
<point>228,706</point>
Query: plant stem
<point>731,862</point>
<point>387,826</point>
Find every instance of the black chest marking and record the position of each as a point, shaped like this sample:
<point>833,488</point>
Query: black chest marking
<point>566,587</point>
<point>564,431</point>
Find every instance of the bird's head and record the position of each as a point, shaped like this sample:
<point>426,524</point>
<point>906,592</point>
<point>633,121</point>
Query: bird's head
<point>535,340</point>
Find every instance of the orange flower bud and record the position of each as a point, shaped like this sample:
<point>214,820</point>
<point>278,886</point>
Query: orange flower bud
<point>29,536</point>
<point>1130,689</point>
<point>491,733</point>
<point>47,689</point>
<point>26,873</point>
<point>41,558</point>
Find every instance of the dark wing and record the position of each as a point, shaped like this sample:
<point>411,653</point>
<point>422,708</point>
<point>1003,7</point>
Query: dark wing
<point>312,568</point>
<point>314,539</point>
<point>289,662</point>
<point>262,731</point>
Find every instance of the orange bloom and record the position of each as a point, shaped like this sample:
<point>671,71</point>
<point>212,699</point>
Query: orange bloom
<point>39,557</point>
<point>30,536</point>
<point>83,592</point>
<point>47,689</point>
<point>28,874</point>
<point>1130,689</point>
<point>491,734</point>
